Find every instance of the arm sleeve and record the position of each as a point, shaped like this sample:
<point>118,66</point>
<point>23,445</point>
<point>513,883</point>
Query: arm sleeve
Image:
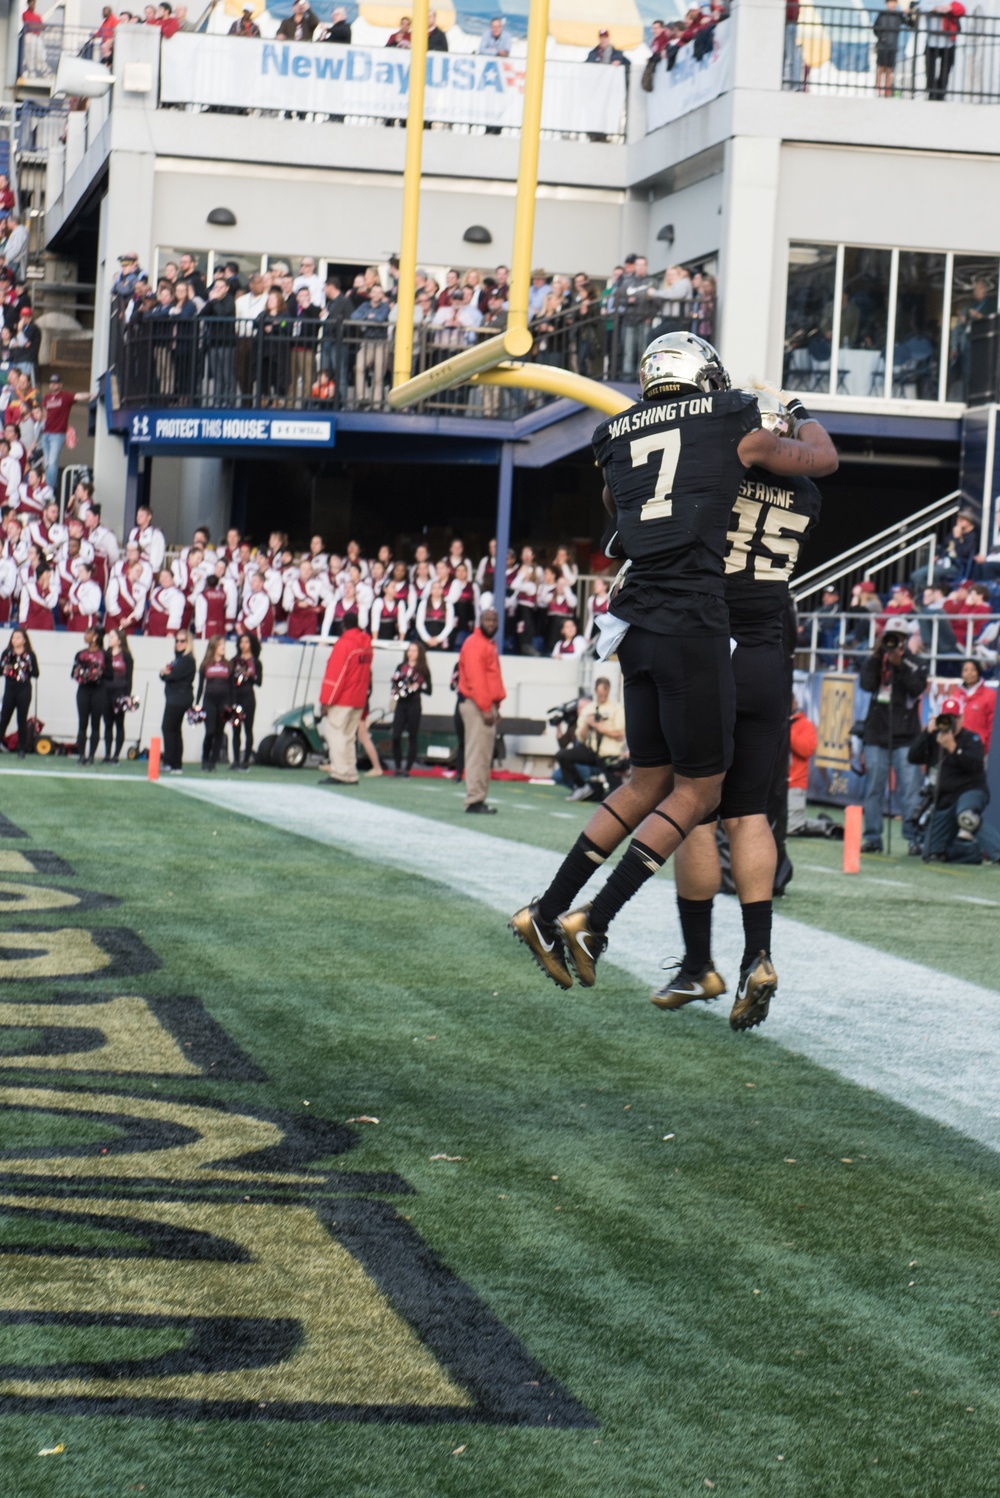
<point>803,738</point>
<point>870,674</point>
<point>921,751</point>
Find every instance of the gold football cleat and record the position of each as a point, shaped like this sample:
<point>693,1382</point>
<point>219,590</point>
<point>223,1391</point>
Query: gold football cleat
<point>583,946</point>
<point>757,987</point>
<point>682,989</point>
<point>544,942</point>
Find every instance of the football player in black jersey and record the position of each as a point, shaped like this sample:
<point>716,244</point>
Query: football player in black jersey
<point>673,464</point>
<point>771,519</point>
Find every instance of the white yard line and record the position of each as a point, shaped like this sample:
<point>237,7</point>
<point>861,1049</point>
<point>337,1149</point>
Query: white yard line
<point>926,1039</point>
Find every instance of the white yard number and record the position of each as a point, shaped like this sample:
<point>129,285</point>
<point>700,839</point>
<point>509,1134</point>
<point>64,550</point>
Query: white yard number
<point>668,445</point>
<point>776,522</point>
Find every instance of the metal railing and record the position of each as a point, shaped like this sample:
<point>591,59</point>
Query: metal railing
<point>303,364</point>
<point>842,641</point>
<point>878,558</point>
<point>912,55</point>
<point>38,52</point>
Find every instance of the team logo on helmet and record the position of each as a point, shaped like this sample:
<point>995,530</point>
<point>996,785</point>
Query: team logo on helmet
<point>680,361</point>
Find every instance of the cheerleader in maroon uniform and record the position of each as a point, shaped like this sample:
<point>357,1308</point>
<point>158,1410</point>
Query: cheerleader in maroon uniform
<point>247,674</point>
<point>166,607</point>
<point>410,681</point>
<point>560,606</point>
<point>302,603</point>
<point>435,619</point>
<point>214,695</point>
<point>118,669</point>
<point>39,596</point>
<point>88,673</point>
<point>19,668</point>
<point>597,607</point>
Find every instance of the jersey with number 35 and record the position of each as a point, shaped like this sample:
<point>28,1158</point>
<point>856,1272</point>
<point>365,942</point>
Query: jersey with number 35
<point>770,521</point>
<point>673,470</point>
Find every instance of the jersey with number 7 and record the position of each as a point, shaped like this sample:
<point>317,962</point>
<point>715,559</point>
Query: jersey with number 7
<point>674,472</point>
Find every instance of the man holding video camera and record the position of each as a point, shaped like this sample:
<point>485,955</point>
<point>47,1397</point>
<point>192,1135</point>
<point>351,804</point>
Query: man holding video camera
<point>599,741</point>
<point>956,783</point>
<point>896,681</point>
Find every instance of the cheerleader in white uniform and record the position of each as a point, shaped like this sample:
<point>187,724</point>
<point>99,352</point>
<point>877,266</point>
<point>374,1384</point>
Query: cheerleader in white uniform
<point>422,579</point>
<point>256,617</point>
<point>561,606</point>
<point>346,602</point>
<point>125,601</point>
<point>83,600</point>
<point>562,566</point>
<point>10,583</point>
<point>118,671</point>
<point>435,619</point>
<point>524,591</point>
<point>390,617</point>
<point>597,607</point>
<point>165,614</point>
<point>570,645</point>
<point>463,595</point>
<point>46,532</point>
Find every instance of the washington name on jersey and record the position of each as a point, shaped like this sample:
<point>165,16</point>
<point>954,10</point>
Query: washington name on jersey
<point>770,521</point>
<point>673,469</point>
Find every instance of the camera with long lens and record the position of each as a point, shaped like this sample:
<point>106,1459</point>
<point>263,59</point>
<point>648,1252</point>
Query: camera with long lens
<point>564,714</point>
<point>945,723</point>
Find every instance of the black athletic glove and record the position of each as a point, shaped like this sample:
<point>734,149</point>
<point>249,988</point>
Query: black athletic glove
<point>797,410</point>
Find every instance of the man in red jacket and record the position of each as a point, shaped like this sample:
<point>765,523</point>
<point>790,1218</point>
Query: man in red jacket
<point>343,696</point>
<point>480,693</point>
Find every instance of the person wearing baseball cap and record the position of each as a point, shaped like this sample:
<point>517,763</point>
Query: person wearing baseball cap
<point>896,681</point>
<point>956,789</point>
<point>57,404</point>
<point>129,272</point>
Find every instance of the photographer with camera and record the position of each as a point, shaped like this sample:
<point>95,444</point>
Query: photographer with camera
<point>956,779</point>
<point>599,741</point>
<point>896,681</point>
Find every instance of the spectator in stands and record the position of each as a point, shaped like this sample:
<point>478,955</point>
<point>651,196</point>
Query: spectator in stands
<point>19,668</point>
<point>410,681</point>
<point>480,693</point>
<point>166,20</point>
<point>219,340</point>
<point>373,349</point>
<point>570,644</point>
<point>57,404</point>
<point>599,741</point>
<point>638,295</point>
<point>308,278</point>
<point>25,344</point>
<point>954,759</point>
<point>435,618</point>
<point>8,202</point>
<point>827,635</point>
<point>604,52</point>
<point>343,695</point>
<point>896,681</point>
<point>956,558</point>
<point>118,671</point>
<point>978,703</point>
<point>32,30</point>
<point>273,326</point>
<point>246,25</point>
<point>673,298</point>
<point>888,25</point>
<point>339,30</point>
<point>401,37</point>
<point>247,672</point>
<point>436,39</point>
<point>188,271</point>
<point>149,537</point>
<point>300,25</point>
<point>942,24</point>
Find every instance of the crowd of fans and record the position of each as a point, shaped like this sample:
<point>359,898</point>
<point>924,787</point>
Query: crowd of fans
<point>951,616</point>
<point>289,335</point>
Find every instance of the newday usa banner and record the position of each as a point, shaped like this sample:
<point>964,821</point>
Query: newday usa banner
<point>690,82</point>
<point>323,78</point>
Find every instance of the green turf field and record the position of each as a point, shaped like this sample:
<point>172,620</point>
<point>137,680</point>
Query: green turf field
<point>662,1259</point>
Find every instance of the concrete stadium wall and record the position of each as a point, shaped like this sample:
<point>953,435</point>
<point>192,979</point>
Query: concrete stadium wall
<point>292,675</point>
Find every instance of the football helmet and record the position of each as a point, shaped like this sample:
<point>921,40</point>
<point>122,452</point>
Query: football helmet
<point>681,361</point>
<point>774,415</point>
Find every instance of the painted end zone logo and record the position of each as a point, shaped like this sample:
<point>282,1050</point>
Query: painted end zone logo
<point>236,428</point>
<point>174,1253</point>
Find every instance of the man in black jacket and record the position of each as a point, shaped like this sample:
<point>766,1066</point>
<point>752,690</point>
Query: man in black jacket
<point>955,768</point>
<point>896,682</point>
<point>218,338</point>
<point>300,25</point>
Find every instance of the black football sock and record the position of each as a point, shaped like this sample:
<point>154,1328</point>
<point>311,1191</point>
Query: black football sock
<point>576,868</point>
<point>637,864</point>
<point>756,929</point>
<point>696,924</point>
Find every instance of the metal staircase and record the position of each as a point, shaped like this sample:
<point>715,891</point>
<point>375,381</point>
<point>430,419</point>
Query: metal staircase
<point>891,556</point>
